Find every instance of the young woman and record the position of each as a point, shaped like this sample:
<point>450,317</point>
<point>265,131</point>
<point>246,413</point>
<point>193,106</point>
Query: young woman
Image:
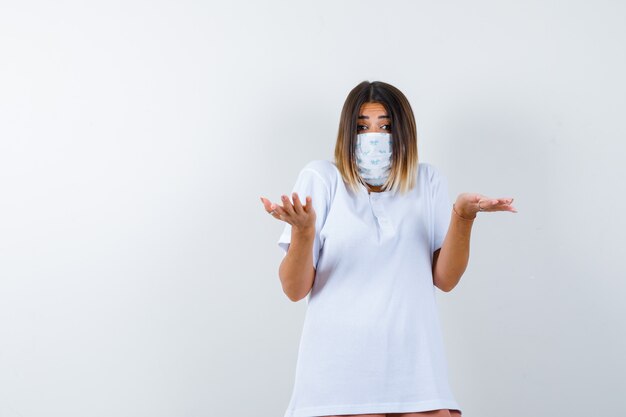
<point>374,237</point>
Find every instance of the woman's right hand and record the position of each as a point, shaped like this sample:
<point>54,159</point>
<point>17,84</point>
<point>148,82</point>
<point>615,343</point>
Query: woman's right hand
<point>298,216</point>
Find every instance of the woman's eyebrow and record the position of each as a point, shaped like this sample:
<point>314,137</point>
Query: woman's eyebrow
<point>384,116</point>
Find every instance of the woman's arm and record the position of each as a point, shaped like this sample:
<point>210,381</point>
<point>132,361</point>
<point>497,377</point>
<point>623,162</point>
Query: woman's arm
<point>296,270</point>
<point>450,262</point>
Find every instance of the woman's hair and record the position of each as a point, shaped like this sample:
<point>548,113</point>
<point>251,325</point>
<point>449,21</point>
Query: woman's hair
<point>404,161</point>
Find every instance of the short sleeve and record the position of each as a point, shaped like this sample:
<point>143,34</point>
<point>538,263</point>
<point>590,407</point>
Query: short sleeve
<point>309,183</point>
<point>441,207</point>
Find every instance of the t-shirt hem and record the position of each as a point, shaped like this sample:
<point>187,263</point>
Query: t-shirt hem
<point>373,408</point>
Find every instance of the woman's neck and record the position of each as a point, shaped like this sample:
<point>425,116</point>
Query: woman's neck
<point>374,189</point>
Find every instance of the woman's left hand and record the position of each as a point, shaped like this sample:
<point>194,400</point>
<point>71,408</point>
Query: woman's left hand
<point>467,204</point>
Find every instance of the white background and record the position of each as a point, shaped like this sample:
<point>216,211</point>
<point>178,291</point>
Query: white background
<point>138,269</point>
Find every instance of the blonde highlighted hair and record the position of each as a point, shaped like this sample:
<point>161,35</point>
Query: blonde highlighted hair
<point>404,160</point>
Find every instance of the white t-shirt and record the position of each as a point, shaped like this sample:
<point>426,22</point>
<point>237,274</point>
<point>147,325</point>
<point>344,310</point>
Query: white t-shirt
<point>371,339</point>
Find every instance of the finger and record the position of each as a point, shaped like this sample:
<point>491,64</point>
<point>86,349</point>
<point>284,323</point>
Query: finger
<point>480,202</point>
<point>486,204</point>
<point>496,204</point>
<point>272,210</point>
<point>502,204</point>
<point>277,211</point>
<point>307,207</point>
<point>297,205</point>
<point>266,204</point>
<point>287,206</point>
<point>505,200</point>
<point>507,207</point>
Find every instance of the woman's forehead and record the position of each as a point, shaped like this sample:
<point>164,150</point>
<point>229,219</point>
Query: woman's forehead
<point>372,107</point>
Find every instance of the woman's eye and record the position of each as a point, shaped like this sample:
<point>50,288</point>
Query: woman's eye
<point>386,127</point>
<point>361,127</point>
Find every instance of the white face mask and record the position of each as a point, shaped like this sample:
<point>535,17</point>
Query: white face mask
<point>373,157</point>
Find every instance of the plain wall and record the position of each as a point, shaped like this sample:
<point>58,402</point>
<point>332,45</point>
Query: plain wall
<point>139,270</point>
